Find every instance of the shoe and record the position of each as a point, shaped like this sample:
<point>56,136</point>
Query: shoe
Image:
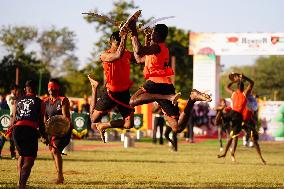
<point>199,96</point>
<point>102,133</point>
<point>221,149</point>
<point>13,157</point>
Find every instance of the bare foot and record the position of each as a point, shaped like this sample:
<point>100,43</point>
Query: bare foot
<point>102,132</point>
<point>59,180</point>
<point>199,96</point>
<point>175,98</point>
<point>93,82</point>
<point>233,158</point>
<point>263,161</point>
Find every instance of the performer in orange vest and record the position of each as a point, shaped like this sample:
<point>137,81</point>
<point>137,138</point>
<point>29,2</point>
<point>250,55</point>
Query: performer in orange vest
<point>238,114</point>
<point>116,64</point>
<point>157,73</point>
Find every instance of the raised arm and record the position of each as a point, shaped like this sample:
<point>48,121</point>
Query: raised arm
<point>112,56</point>
<point>250,85</point>
<point>229,89</point>
<point>137,47</point>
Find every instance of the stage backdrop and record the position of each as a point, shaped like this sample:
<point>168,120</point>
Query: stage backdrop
<point>236,43</point>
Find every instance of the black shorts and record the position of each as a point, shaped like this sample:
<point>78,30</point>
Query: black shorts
<point>250,128</point>
<point>26,140</point>
<point>106,103</point>
<point>163,89</point>
<point>236,120</point>
<point>60,143</point>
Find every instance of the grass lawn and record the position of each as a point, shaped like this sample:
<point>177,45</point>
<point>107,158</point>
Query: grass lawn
<point>99,165</point>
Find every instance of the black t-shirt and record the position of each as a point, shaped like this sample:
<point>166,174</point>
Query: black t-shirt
<point>28,107</point>
<point>53,108</point>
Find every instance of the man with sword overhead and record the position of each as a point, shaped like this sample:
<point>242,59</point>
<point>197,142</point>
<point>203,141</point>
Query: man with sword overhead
<point>157,73</point>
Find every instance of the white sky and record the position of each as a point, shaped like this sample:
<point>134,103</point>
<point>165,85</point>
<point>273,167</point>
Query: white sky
<point>194,15</point>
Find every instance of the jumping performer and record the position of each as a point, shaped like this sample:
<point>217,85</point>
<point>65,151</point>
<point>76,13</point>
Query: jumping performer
<point>157,73</point>
<point>238,114</point>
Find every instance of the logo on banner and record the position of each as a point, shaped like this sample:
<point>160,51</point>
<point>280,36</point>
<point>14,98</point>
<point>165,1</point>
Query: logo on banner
<point>138,121</point>
<point>79,121</point>
<point>5,121</point>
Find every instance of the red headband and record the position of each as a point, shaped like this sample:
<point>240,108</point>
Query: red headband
<point>52,85</point>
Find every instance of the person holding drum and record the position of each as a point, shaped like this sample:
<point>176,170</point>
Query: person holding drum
<point>27,116</point>
<point>57,119</point>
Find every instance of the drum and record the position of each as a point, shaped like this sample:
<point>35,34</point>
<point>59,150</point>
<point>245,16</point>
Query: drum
<point>57,126</point>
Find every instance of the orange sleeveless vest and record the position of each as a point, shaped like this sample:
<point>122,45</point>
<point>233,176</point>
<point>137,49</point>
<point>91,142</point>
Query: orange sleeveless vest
<point>239,101</point>
<point>117,73</point>
<point>155,64</point>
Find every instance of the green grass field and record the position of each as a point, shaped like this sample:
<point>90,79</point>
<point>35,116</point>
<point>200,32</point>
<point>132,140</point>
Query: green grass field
<point>154,166</point>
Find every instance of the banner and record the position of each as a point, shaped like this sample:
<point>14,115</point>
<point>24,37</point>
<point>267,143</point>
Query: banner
<point>80,122</point>
<point>236,43</point>
<point>4,120</point>
<point>206,76</point>
<point>138,121</point>
<point>271,115</point>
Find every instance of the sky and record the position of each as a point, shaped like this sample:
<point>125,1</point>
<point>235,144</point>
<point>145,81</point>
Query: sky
<point>195,15</point>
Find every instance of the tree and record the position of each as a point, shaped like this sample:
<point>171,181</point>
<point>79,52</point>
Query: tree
<point>29,67</point>
<point>56,47</point>
<point>267,75</point>
<point>177,43</point>
<point>16,39</point>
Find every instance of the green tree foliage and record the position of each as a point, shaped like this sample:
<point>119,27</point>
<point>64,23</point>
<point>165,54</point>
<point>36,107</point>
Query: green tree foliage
<point>267,75</point>
<point>29,67</point>
<point>16,39</point>
<point>56,47</point>
<point>56,55</point>
<point>177,41</point>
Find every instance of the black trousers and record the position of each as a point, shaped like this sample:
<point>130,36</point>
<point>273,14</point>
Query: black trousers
<point>158,122</point>
<point>12,145</point>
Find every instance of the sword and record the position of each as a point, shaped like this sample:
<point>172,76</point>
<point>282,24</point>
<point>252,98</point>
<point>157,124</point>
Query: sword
<point>153,22</point>
<point>103,17</point>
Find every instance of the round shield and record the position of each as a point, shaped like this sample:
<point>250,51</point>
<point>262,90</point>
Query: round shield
<point>57,126</point>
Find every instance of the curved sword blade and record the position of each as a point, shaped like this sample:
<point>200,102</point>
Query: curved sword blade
<point>150,24</point>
